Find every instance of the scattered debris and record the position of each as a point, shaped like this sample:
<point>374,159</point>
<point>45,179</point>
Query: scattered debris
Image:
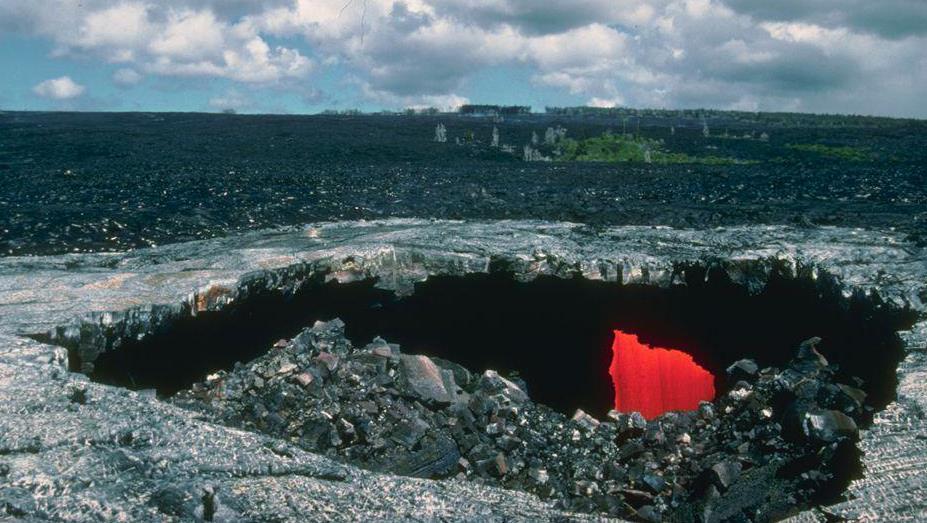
<point>410,414</point>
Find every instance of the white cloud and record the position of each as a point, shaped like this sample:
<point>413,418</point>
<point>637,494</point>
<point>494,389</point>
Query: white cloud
<point>61,88</point>
<point>821,55</point>
<point>589,46</point>
<point>117,30</point>
<point>170,38</point>
<point>126,77</point>
<point>190,35</point>
<point>887,19</point>
<point>803,32</point>
<point>255,61</point>
<point>665,53</point>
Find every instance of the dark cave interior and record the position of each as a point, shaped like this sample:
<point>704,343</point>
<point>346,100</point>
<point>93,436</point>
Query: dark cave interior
<point>556,334</point>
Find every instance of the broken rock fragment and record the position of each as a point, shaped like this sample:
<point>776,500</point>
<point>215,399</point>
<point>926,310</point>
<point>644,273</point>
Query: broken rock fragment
<point>422,378</point>
<point>492,382</point>
<point>723,475</point>
<point>438,457</point>
<point>743,370</point>
<point>829,426</point>
<point>584,420</point>
<point>379,347</point>
<point>304,379</point>
<point>808,353</point>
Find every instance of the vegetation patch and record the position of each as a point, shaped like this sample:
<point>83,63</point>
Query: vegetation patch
<point>853,154</point>
<point>611,147</point>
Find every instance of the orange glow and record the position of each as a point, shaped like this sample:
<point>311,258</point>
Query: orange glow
<point>653,380</point>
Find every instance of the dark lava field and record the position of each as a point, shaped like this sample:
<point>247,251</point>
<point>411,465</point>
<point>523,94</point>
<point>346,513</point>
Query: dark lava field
<point>79,182</point>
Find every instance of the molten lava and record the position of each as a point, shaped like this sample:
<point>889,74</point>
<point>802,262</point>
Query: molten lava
<point>653,380</point>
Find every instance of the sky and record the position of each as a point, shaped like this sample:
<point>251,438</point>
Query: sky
<point>306,56</point>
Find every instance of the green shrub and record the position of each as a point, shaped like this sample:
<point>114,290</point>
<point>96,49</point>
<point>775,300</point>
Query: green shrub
<point>852,154</point>
<point>627,148</point>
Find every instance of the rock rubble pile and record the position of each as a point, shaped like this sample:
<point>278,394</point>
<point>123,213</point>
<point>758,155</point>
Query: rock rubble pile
<point>774,442</point>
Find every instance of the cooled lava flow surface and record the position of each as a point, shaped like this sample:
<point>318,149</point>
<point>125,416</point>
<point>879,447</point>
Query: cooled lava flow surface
<point>654,380</point>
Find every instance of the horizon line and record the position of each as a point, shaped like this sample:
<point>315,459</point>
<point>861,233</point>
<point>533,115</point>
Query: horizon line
<point>432,111</point>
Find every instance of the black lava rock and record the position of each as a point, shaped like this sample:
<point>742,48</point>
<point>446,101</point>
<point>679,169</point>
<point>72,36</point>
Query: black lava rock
<point>413,415</point>
<point>743,370</point>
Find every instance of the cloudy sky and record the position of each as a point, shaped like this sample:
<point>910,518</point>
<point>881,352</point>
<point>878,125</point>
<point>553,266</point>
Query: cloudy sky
<point>847,56</point>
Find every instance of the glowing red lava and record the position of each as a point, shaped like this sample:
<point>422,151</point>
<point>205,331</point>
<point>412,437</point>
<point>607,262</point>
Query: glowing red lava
<point>653,380</point>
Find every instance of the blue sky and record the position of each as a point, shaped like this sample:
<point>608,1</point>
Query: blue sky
<point>33,59</point>
<point>304,56</point>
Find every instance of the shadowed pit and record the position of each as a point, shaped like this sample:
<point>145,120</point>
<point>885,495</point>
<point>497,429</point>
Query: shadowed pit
<point>557,334</point>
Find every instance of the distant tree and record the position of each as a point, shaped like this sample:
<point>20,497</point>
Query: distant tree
<point>534,138</point>
<point>549,136</point>
<point>411,111</point>
<point>552,135</point>
<point>531,154</point>
<point>495,137</point>
<point>515,109</point>
<point>229,110</point>
<point>476,109</point>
